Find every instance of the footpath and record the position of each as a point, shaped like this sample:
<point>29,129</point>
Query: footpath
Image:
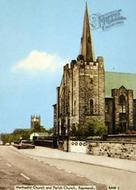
<point>44,152</point>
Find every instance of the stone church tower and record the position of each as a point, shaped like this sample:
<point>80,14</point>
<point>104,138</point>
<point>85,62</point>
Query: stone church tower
<point>81,93</point>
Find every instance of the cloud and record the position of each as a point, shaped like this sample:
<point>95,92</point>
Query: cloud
<point>37,62</point>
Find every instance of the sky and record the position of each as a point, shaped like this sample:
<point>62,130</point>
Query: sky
<point>37,37</point>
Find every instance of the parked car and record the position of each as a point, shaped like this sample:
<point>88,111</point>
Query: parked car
<point>24,144</point>
<point>7,144</point>
<point>1,142</point>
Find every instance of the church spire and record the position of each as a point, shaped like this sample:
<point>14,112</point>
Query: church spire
<point>86,40</point>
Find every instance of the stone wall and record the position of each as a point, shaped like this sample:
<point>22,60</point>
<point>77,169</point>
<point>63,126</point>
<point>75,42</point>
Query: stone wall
<point>122,138</point>
<point>122,150</point>
<point>91,89</point>
<point>109,115</point>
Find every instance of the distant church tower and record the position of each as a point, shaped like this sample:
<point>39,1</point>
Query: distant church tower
<point>81,93</point>
<point>35,122</point>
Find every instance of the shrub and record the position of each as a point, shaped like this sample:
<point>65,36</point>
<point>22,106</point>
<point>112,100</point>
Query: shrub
<point>91,127</point>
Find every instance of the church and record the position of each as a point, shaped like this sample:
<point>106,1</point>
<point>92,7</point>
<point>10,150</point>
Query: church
<point>88,91</point>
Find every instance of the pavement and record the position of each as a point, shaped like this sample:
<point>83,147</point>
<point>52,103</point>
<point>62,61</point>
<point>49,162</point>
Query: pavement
<point>120,164</point>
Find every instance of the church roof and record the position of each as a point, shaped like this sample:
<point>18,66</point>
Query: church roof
<point>117,79</point>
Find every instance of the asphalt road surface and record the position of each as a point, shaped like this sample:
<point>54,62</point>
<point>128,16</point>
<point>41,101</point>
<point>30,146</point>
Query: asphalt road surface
<point>17,169</point>
<point>121,173</point>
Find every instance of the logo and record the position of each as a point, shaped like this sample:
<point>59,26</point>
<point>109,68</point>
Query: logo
<point>107,21</point>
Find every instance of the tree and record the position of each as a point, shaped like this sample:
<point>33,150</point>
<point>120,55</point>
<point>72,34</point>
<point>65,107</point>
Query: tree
<point>91,127</point>
<point>40,129</point>
<point>50,131</point>
<point>16,135</point>
<point>21,133</point>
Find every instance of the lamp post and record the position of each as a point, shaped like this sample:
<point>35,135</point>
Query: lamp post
<point>68,132</point>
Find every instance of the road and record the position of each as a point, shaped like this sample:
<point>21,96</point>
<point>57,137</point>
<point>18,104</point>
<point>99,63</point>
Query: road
<point>17,168</point>
<point>104,170</point>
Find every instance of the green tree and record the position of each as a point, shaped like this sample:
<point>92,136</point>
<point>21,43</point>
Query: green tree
<point>41,129</point>
<point>91,127</point>
<point>50,131</point>
<point>21,133</point>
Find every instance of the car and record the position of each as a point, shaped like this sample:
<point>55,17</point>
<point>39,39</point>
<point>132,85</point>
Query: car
<point>24,144</point>
<point>7,144</point>
<point>1,142</point>
<point>12,143</point>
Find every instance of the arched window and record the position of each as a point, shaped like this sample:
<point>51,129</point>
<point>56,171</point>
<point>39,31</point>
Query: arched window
<point>107,108</point>
<point>91,106</point>
<point>122,103</point>
<point>91,81</point>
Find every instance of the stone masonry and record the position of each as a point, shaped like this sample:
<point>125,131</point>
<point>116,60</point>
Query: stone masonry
<point>81,94</point>
<point>113,149</point>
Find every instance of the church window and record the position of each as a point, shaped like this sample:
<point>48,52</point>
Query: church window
<point>122,103</point>
<point>91,106</point>
<point>91,81</point>
<point>106,108</point>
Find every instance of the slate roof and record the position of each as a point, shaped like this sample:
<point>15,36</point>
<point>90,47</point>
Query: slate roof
<point>117,79</point>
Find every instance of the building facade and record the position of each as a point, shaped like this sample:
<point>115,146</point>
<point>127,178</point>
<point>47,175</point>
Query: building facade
<point>81,94</point>
<point>119,111</point>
